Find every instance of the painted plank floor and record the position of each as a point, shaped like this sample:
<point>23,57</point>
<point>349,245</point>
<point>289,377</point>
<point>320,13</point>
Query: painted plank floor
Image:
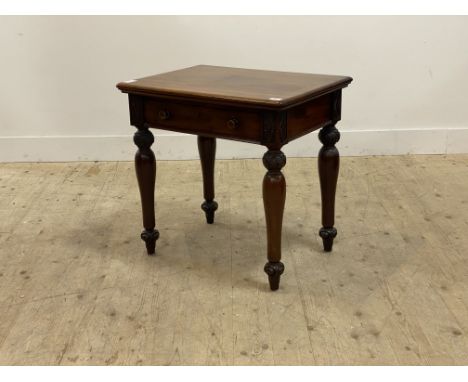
<point>77,288</point>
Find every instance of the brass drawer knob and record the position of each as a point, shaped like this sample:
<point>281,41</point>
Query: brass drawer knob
<point>164,115</point>
<point>233,123</point>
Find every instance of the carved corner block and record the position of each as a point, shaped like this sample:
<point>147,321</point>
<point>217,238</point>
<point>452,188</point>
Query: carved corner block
<point>274,129</point>
<point>136,105</point>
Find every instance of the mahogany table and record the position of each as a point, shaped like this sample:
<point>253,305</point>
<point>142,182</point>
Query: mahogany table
<point>257,106</point>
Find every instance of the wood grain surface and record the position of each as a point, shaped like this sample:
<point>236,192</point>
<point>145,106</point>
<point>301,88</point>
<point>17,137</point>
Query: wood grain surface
<point>247,86</point>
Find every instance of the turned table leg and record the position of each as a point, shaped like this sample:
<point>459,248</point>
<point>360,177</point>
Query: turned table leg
<point>274,196</point>
<point>328,166</point>
<point>145,166</point>
<point>207,150</point>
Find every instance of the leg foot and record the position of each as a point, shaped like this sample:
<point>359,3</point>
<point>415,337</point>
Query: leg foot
<point>207,151</point>
<point>209,208</point>
<point>145,167</point>
<point>328,165</point>
<point>327,235</point>
<point>150,237</point>
<point>274,272</point>
<point>274,196</point>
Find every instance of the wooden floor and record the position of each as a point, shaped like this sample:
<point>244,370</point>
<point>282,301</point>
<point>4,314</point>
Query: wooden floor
<point>76,286</point>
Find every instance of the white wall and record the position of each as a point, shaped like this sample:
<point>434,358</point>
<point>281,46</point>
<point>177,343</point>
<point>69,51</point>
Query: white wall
<point>58,99</point>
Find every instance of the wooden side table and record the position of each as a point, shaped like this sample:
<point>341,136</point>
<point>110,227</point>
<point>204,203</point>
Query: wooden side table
<point>263,107</point>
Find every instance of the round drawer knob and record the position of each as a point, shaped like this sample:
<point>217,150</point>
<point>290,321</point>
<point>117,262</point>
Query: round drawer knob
<point>233,123</point>
<point>164,115</point>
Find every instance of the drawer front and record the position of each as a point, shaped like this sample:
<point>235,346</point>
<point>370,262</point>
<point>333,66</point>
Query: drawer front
<point>230,123</point>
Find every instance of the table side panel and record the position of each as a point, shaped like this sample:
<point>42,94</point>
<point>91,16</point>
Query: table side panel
<point>314,114</point>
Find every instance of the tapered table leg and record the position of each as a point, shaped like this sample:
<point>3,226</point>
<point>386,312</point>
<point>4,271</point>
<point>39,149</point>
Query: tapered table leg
<point>207,151</point>
<point>274,196</point>
<point>145,166</point>
<point>328,167</point>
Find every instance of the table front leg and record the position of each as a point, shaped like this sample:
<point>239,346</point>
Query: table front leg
<point>328,166</point>
<point>274,196</point>
<point>207,151</point>
<point>145,166</point>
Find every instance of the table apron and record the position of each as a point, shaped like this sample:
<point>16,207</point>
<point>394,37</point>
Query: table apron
<point>272,128</point>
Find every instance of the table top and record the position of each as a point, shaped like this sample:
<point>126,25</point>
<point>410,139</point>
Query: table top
<point>235,85</point>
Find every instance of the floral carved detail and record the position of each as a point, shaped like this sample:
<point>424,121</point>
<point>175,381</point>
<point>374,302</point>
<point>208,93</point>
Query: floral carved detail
<point>268,132</point>
<point>329,135</point>
<point>148,235</point>
<point>274,269</point>
<point>137,115</point>
<point>326,233</point>
<point>143,138</point>
<point>274,160</point>
<point>272,122</point>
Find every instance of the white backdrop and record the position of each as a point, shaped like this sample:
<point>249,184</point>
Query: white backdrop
<point>58,99</point>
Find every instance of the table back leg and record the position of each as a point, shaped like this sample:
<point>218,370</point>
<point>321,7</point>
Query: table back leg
<point>145,166</point>
<point>207,151</point>
<point>328,167</point>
